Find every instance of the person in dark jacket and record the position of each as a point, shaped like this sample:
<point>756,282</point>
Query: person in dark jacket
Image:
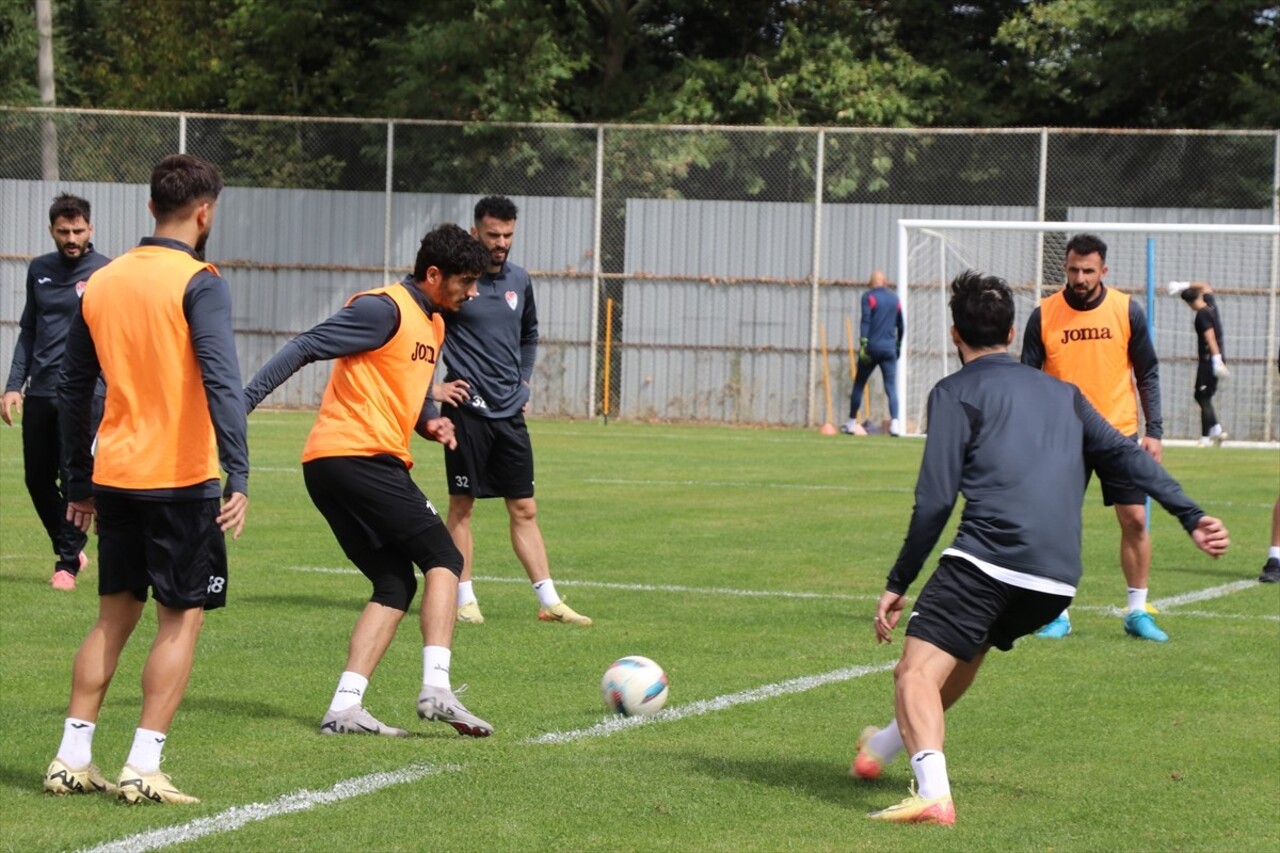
<point>1015,442</point>
<point>55,283</point>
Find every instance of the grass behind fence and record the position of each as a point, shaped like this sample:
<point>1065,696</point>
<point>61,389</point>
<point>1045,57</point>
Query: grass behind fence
<point>737,559</point>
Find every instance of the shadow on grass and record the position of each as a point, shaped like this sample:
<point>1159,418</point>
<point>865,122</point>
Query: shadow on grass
<point>817,779</point>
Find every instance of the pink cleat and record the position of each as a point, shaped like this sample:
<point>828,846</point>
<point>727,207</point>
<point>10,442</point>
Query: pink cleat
<point>866,764</point>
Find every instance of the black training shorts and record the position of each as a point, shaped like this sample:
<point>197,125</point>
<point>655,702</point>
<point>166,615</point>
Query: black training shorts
<point>175,548</point>
<point>494,457</point>
<point>1117,490</point>
<point>369,501</point>
<point>961,609</point>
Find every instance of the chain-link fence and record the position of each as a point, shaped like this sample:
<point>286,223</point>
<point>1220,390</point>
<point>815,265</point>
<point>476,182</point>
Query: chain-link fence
<point>688,273</point>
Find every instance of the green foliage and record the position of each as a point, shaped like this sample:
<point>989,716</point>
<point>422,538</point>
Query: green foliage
<point>1131,63</point>
<point>682,543</point>
<point>18,46</point>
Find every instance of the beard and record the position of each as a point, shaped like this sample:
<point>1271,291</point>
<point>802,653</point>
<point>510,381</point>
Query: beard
<point>200,244</point>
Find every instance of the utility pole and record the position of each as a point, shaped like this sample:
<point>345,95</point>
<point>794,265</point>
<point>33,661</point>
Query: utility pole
<point>44,73</point>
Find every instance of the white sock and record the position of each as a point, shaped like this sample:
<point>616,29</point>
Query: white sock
<point>887,742</point>
<point>350,692</point>
<point>546,591</point>
<point>930,767</point>
<point>465,595</point>
<point>145,755</point>
<point>435,666</point>
<point>77,743</point>
<point>1137,600</point>
<point>1065,615</point>
<point>1274,552</point>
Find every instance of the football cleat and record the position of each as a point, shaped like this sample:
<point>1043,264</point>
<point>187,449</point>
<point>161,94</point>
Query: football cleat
<point>63,579</point>
<point>866,764</point>
<point>61,780</point>
<point>561,612</point>
<point>1219,438</point>
<point>357,721</point>
<point>136,787</point>
<point>1270,571</point>
<point>439,704</point>
<point>470,613</point>
<point>1140,624</point>
<point>1057,629</point>
<point>916,809</point>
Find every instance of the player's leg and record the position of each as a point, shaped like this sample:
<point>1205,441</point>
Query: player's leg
<point>1135,562</point>
<point>1206,387</point>
<point>511,473</point>
<point>394,587</point>
<point>72,770</point>
<point>465,467</point>
<point>433,550</point>
<point>356,496</point>
<point>860,377</point>
<point>185,549</point>
<point>41,458</point>
<point>1271,568</point>
<point>889,372</point>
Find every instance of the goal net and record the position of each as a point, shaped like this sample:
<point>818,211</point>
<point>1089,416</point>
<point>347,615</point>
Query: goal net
<point>1238,261</point>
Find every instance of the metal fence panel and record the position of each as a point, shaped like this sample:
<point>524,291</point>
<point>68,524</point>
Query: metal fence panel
<point>700,241</point>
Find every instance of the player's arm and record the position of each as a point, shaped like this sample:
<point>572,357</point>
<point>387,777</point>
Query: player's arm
<point>528,335</point>
<point>1146,369</point>
<point>937,486</point>
<point>365,324</point>
<point>1032,342</point>
<point>902,330</point>
<point>76,381</point>
<point>206,304</point>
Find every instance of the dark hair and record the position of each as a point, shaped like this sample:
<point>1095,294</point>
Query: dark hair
<point>1087,244</point>
<point>1190,295</point>
<point>452,251</point>
<point>68,206</point>
<point>180,179</point>
<point>499,207</point>
<point>981,309</point>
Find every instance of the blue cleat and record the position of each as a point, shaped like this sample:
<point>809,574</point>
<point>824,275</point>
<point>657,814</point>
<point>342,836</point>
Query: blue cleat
<point>1140,624</point>
<point>1057,629</point>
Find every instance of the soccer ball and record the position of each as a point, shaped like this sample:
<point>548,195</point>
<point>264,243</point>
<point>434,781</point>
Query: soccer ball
<point>634,686</point>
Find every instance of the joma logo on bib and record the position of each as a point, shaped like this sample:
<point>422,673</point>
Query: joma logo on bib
<point>1069,335</point>
<point>422,352</point>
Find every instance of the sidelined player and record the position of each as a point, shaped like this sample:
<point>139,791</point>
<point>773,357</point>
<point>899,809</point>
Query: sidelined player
<point>1096,338</point>
<point>156,323</point>
<point>356,467</point>
<point>1015,561</point>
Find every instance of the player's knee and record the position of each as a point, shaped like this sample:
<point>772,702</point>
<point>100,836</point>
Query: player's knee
<point>395,590</point>
<point>523,510</point>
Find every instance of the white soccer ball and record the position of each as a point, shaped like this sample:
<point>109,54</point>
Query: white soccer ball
<point>634,686</point>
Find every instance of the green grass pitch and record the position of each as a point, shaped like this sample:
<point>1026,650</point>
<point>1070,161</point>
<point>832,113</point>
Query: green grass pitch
<point>747,563</point>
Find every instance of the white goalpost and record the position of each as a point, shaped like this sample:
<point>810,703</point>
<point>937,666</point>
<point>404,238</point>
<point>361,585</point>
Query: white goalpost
<point>1240,262</point>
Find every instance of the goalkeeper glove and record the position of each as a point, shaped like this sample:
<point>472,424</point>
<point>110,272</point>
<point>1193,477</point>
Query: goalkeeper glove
<point>864,355</point>
<point>1176,287</point>
<point>1219,367</point>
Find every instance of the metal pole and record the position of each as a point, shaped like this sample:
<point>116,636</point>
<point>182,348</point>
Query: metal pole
<point>819,165</point>
<point>596,268</point>
<point>904,363</point>
<point>1269,427</point>
<point>1042,181</point>
<point>388,187</point>
<point>48,93</point>
<point>182,133</point>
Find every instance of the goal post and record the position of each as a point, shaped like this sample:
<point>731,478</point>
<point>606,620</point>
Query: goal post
<point>1240,262</point>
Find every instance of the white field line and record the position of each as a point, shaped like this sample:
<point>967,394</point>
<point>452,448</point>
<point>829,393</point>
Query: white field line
<point>297,801</point>
<point>733,484</point>
<point>237,816</point>
<point>1165,605</point>
<point>613,725</point>
<point>634,587</point>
